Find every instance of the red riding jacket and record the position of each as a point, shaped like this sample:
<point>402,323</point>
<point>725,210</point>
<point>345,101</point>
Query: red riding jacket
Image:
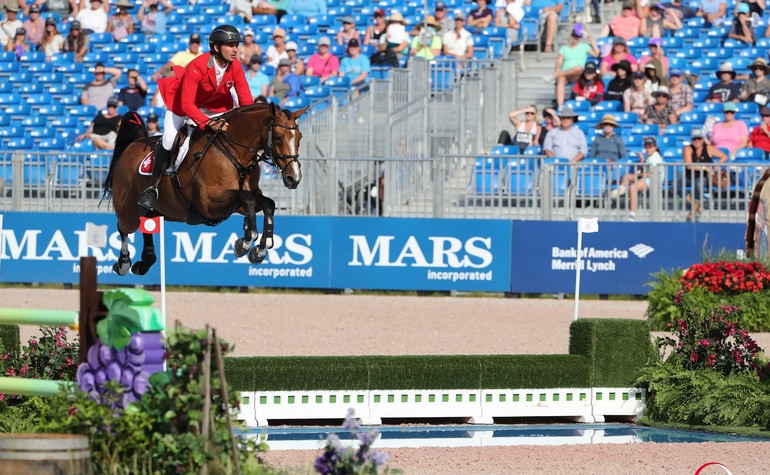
<point>195,86</point>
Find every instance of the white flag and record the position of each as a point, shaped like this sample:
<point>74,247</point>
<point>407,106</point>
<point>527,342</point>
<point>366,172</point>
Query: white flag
<point>96,236</point>
<point>588,225</point>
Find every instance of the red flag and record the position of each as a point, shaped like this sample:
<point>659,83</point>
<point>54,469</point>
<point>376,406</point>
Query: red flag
<point>149,225</point>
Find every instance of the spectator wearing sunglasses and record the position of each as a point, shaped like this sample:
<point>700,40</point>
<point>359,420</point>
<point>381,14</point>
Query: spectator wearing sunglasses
<point>97,92</point>
<point>133,96</point>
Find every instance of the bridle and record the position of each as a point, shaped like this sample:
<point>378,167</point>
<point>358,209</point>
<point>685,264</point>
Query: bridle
<point>270,151</point>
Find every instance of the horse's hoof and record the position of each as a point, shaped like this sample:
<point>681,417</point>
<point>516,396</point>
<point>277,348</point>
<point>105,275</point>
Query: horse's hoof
<point>241,248</point>
<point>140,268</point>
<point>257,255</point>
<point>121,268</point>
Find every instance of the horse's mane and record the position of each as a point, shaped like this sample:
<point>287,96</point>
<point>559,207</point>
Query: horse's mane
<point>132,128</point>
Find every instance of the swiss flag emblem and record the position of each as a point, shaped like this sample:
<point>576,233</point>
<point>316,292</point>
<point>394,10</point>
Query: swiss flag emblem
<point>145,167</point>
<point>149,225</point>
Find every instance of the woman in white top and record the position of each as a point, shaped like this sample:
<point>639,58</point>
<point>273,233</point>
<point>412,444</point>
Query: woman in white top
<point>640,180</point>
<point>53,41</point>
<point>527,132</point>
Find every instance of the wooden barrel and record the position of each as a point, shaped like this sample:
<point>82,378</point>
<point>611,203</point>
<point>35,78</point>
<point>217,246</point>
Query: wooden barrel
<point>44,454</point>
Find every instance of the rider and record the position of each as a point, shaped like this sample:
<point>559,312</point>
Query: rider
<point>199,91</point>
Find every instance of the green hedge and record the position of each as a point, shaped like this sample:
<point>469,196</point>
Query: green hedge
<point>10,338</point>
<point>604,352</point>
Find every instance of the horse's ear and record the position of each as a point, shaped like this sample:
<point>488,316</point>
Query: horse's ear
<point>298,113</point>
<point>273,109</point>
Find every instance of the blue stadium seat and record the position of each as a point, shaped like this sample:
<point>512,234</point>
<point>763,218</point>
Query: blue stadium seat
<point>338,83</point>
<point>133,38</point>
<point>486,177</point>
<point>12,131</point>
<point>17,110</point>
<point>18,143</point>
<point>33,57</point>
<point>578,106</point>
<point>533,150</point>
<point>38,99</point>
<point>114,48</point>
<point>308,81</point>
<point>97,57</point>
<point>520,177</point>
<point>65,62</point>
<point>100,38</point>
<point>34,121</point>
<point>693,118</point>
<point>296,102</point>
<point>10,98</point>
<point>505,150</point>
<point>318,92</point>
<point>608,106</point>
<point>645,129</point>
<point>64,121</point>
<point>9,68</point>
<point>80,110</point>
<point>750,155</point>
<point>39,68</point>
<point>61,89</point>
<point>40,132</point>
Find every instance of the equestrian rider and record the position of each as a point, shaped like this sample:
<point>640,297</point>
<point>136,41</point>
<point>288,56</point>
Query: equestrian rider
<point>199,91</point>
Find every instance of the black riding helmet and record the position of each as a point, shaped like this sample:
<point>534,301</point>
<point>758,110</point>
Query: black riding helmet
<point>224,34</point>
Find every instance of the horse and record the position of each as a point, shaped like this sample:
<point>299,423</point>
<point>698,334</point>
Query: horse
<point>219,177</point>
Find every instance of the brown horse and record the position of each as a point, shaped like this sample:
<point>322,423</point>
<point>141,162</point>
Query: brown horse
<point>219,177</point>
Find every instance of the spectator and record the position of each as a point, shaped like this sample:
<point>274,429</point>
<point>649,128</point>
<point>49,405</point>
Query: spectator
<point>480,17</point>
<point>65,8</point>
<point>10,24</point>
<point>297,64</point>
<point>94,19</point>
<point>571,61</point>
<point>427,44</point>
<point>618,53</point>
<point>658,22</point>
<point>626,25</point>
<point>741,28</point>
<point>277,51</point>
<point>151,18</point>
<point>248,48</point>
<point>730,134</point>
<point>550,11</point>
<point>681,10</point>
<point>323,64</point>
<point>697,175</point>
<point>76,41</point>
<point>260,100</point>
<point>660,112</point>
<point>755,6</point>
<point>104,128</point>
<point>640,180</point>
<point>726,89</point>
<point>285,84</point>
<point>757,88</point>
<point>620,83</point>
<point>153,125</point>
<point>355,66</point>
<point>35,27</point>
<point>348,31</point>
<point>651,80</point>
<point>53,41</point>
<point>243,8</point>
<point>458,42</point>
<point>566,141</point>
<point>760,136</point>
<point>134,94</point>
<point>550,121</point>
<point>377,30</point>
<point>182,58</point>
<point>589,86</point>
<point>713,12</point>
<point>121,24</point>
<point>657,57</point>
<point>98,91</point>
<point>636,98</point>
<point>259,83</point>
<point>526,132</point>
<point>19,44</point>
<point>609,145</point>
<point>509,17</point>
<point>445,21</point>
<point>681,93</point>
<point>307,8</point>
<point>642,9</point>
<point>393,44</point>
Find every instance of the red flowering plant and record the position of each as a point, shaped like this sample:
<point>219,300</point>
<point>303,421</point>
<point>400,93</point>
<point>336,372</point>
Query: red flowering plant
<point>714,340</point>
<point>722,277</point>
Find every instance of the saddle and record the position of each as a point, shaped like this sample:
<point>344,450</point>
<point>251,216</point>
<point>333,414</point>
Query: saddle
<point>177,154</point>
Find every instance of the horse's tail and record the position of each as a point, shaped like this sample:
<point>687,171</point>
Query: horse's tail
<point>132,128</point>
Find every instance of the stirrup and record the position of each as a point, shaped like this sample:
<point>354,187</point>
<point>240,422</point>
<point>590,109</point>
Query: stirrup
<point>148,198</point>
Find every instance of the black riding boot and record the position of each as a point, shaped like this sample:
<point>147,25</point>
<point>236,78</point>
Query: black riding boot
<point>150,195</point>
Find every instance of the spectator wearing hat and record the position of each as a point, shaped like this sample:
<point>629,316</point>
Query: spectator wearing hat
<point>480,17</point>
<point>76,42</point>
<point>97,92</point>
<point>757,88</point>
<point>660,112</point>
<point>589,86</point>
<point>526,132</point>
<point>658,22</point>
<point>297,64</point>
<point>151,18</point>
<point>355,65</point>
<point>713,12</point>
<point>323,64</point>
<point>285,84</point>
<point>121,24</point>
<point>153,125</point>
<point>641,179</point>
<point>181,58</point>
<point>93,19</point>
<point>446,22</point>
<point>243,8</point>
<point>10,23</point>
<point>681,92</point>
<point>308,8</point>
<point>134,94</point>
<point>53,41</point>
<point>618,53</point>
<point>248,48</point>
<point>699,176</point>
<point>609,145</point>
<point>620,83</point>
<point>572,60</point>
<point>636,98</point>
<point>19,44</point>
<point>755,6</point>
<point>457,41</point>
<point>566,141</point>
<point>259,83</point>
<point>394,44</point>
<point>277,51</point>
<point>104,128</point>
<point>760,136</point>
<point>730,133</point>
<point>626,25</point>
<point>726,89</point>
<point>651,80</point>
<point>348,31</point>
<point>376,30</point>
<point>35,26</point>
<point>427,44</point>
<point>657,57</point>
<point>741,28</point>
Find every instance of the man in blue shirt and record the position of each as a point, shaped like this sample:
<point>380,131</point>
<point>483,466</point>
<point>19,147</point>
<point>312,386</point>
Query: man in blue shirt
<point>567,141</point>
<point>308,8</point>
<point>355,65</point>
